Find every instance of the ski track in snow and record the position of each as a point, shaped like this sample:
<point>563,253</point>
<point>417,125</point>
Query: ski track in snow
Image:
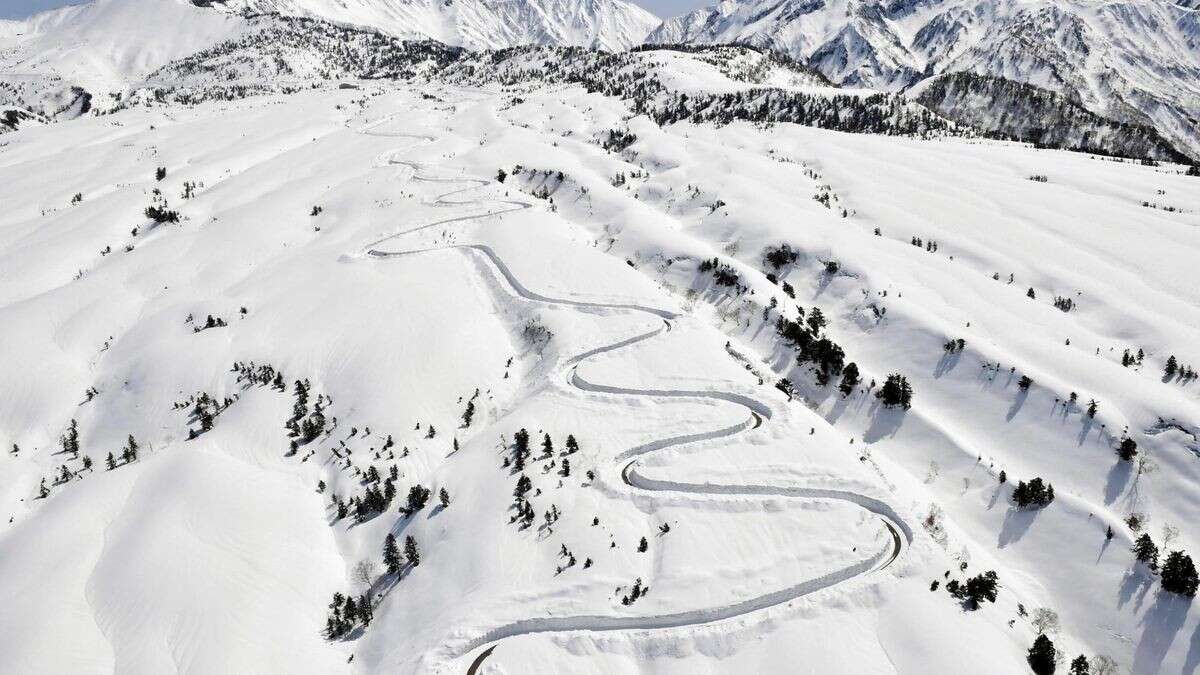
<point>758,412</point>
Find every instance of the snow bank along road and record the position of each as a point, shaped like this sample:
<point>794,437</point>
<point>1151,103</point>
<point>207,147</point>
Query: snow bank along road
<point>758,411</point>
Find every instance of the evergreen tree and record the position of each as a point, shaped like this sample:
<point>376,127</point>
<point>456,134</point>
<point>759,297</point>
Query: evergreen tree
<point>1024,383</point>
<point>1172,366</point>
<point>1080,666</point>
<point>444,498</point>
<point>520,449</point>
<point>850,379</point>
<point>523,485</point>
<point>1146,551</point>
<point>468,414</point>
<point>1179,574</point>
<point>896,392</point>
<point>87,462</point>
<point>418,496</point>
<point>1042,655</point>
<point>411,552</point>
<point>109,462</point>
<point>643,545</point>
<point>130,453</point>
<point>547,446</point>
<point>391,555</point>
<point>365,612</point>
<point>1128,449</point>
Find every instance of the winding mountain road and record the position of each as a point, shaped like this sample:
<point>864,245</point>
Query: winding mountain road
<point>758,413</point>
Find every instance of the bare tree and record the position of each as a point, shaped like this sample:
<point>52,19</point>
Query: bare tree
<point>1045,620</point>
<point>1103,665</point>
<point>364,573</point>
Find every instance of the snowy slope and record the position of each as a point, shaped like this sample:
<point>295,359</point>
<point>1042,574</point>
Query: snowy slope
<point>535,252</point>
<point>1135,61</point>
<point>47,62</point>
<point>479,24</point>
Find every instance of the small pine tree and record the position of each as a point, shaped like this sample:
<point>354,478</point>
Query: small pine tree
<point>411,553</point>
<point>391,555</point>
<point>1172,367</point>
<point>1092,406</point>
<point>850,379</point>
<point>444,498</point>
<point>572,445</point>
<point>643,545</point>
<point>1128,449</point>
<point>87,462</point>
<point>1080,666</point>
<point>1146,551</point>
<point>1042,656</point>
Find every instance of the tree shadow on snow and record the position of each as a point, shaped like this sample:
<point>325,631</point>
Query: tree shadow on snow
<point>1017,403</point>
<point>946,363</point>
<point>1137,581</point>
<point>1084,429</point>
<point>1160,625</point>
<point>1193,656</point>
<point>1016,524</point>
<point>1118,478</point>
<point>885,422</point>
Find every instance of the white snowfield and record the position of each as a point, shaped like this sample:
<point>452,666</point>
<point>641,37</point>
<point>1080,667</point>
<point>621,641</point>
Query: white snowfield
<point>362,240</point>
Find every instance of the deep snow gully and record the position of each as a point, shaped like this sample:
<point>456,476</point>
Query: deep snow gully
<point>758,412</point>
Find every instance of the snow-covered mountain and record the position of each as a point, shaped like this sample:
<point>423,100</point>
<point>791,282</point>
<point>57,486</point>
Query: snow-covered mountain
<point>1133,61</point>
<point>478,24</point>
<point>329,350</point>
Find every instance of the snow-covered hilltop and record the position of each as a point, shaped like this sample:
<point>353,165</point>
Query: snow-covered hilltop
<point>1133,61</point>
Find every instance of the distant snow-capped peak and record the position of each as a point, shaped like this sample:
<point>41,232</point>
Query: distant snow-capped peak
<point>479,24</point>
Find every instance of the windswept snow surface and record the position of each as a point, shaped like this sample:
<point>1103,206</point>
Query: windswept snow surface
<point>800,530</point>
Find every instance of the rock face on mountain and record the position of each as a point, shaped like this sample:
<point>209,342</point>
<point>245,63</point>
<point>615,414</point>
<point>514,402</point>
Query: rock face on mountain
<point>479,24</point>
<point>1134,61</point>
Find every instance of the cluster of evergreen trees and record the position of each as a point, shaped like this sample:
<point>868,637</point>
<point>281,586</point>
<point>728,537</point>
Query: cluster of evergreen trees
<point>780,256</point>
<point>1178,574</point>
<point>815,347</point>
<point>976,589</point>
<point>393,560</point>
<point>617,140</point>
<point>896,391</point>
<point>305,426</point>
<point>248,373</point>
<point>210,323</point>
<point>346,613</point>
<point>722,274</point>
<point>159,211</point>
<point>1036,493</point>
<point>204,412</point>
<point>1174,369</point>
